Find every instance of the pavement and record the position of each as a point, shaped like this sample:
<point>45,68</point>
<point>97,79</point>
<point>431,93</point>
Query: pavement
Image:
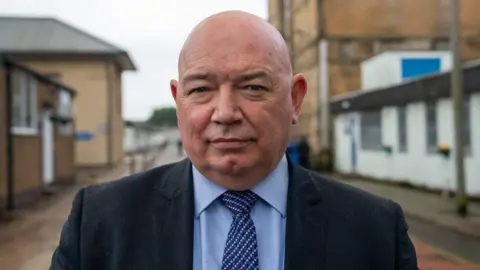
<point>439,212</point>
<point>27,242</point>
<point>426,206</point>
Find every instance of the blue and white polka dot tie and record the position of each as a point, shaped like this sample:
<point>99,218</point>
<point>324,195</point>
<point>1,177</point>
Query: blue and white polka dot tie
<point>241,247</point>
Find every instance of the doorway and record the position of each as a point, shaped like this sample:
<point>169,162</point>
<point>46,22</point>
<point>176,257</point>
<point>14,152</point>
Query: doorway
<point>47,148</point>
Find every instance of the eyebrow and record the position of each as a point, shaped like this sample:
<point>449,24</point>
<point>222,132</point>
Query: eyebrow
<point>197,77</point>
<point>252,76</point>
<point>240,78</point>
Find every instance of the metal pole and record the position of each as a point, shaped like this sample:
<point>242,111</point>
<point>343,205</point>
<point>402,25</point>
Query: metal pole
<point>457,96</point>
<point>324,96</point>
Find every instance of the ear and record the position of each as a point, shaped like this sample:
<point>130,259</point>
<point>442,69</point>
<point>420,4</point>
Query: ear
<point>299,89</point>
<point>174,89</point>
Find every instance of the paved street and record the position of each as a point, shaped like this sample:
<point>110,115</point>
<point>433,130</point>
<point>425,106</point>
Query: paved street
<point>27,243</point>
<point>430,258</point>
<point>443,241</point>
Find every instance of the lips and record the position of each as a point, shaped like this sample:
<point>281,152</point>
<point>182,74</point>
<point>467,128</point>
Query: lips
<point>230,143</point>
<point>229,140</point>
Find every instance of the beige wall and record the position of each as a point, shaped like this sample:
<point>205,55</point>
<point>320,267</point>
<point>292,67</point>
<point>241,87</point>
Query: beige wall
<point>89,78</point>
<point>117,123</point>
<point>411,18</point>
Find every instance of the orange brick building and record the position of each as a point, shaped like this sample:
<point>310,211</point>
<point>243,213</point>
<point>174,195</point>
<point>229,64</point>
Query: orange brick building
<point>356,30</point>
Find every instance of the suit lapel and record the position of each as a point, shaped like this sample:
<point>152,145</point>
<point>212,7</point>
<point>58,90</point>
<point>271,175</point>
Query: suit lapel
<point>306,222</point>
<point>174,213</point>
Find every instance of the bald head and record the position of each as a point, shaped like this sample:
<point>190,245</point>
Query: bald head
<point>236,82</point>
<point>232,29</point>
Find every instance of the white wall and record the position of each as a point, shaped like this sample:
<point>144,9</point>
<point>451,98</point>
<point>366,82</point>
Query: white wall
<point>415,166</point>
<point>136,139</point>
<point>385,69</point>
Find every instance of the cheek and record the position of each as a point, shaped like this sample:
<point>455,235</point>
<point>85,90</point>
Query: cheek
<point>269,120</point>
<point>194,119</point>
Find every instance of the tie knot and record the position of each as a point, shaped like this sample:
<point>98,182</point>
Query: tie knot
<point>239,202</point>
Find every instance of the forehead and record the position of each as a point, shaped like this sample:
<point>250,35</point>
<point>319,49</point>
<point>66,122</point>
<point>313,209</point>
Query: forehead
<point>229,53</point>
<point>228,65</point>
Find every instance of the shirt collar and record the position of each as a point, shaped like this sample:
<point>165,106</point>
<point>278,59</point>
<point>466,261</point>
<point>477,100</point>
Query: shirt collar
<point>272,189</point>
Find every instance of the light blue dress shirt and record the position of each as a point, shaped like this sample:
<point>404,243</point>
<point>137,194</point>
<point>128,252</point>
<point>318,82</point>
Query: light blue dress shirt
<point>212,220</point>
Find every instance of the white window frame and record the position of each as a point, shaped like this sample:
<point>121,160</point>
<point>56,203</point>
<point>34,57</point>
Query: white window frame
<point>27,87</point>
<point>65,110</point>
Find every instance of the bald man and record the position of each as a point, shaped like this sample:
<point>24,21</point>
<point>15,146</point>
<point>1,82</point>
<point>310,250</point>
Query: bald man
<point>237,201</point>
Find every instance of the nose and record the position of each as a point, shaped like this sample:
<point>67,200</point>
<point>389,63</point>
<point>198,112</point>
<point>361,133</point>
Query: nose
<point>227,111</point>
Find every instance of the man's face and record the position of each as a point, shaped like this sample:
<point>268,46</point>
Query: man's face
<point>235,104</point>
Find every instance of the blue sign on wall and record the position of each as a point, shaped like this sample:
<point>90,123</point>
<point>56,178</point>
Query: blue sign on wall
<point>417,67</point>
<point>83,136</point>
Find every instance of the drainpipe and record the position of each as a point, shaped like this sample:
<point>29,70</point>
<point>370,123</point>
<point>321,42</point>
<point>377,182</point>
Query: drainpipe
<point>324,94</point>
<point>281,15</point>
<point>324,97</point>
<point>10,164</point>
<point>109,124</point>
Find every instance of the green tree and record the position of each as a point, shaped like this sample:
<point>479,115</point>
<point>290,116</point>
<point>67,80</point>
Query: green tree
<point>165,117</point>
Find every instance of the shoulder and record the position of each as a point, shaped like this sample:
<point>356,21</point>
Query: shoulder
<point>129,190</point>
<point>347,198</point>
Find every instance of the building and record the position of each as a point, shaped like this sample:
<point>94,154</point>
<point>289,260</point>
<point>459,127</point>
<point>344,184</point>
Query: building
<point>404,133</point>
<point>36,134</point>
<point>142,137</point>
<point>90,65</point>
<point>355,30</point>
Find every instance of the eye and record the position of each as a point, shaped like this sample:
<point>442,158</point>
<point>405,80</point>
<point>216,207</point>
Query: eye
<point>255,88</point>
<point>199,90</point>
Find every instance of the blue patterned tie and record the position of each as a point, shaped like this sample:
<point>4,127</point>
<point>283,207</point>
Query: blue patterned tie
<point>241,246</point>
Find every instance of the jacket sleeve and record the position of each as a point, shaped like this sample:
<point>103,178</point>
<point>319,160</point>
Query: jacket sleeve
<point>406,258</point>
<point>67,254</point>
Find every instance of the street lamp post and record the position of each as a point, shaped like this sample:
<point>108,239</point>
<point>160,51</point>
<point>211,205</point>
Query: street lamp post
<point>457,96</point>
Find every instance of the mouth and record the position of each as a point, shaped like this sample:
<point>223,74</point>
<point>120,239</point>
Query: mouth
<point>230,143</point>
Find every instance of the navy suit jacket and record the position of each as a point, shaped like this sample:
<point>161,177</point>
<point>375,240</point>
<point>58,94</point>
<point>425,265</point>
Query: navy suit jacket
<point>145,222</point>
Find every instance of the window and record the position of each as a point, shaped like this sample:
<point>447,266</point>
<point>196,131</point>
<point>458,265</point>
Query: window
<point>65,110</point>
<point>24,103</point>
<point>371,130</point>
<point>402,128</point>
<point>348,50</point>
<point>431,125</point>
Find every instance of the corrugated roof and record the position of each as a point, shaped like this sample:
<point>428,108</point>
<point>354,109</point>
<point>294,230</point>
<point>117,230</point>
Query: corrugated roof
<point>50,35</point>
<point>47,34</point>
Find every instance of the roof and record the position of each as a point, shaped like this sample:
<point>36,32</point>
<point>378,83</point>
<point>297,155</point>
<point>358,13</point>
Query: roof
<point>45,35</point>
<point>58,86</point>
<point>427,88</point>
<point>142,125</point>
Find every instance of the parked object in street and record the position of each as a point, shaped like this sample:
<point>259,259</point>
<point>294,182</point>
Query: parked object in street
<point>292,150</point>
<point>304,153</point>
<point>179,147</point>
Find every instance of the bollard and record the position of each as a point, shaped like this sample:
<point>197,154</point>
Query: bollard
<point>91,179</point>
<point>132,165</point>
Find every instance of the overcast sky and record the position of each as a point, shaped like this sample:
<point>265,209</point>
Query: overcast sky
<point>152,31</point>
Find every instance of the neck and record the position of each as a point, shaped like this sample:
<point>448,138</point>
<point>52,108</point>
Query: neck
<point>245,180</point>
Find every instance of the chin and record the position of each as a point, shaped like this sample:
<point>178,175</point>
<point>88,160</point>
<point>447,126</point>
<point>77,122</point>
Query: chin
<point>233,164</point>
